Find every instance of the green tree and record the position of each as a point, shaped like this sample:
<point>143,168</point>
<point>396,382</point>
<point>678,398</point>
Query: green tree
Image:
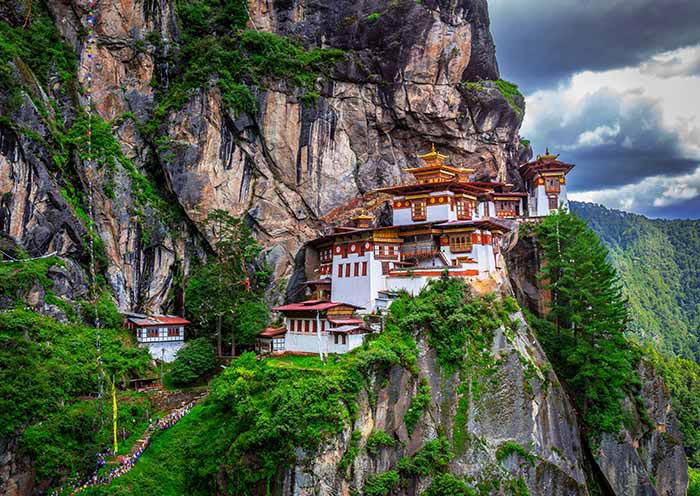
<point>193,363</point>
<point>226,292</point>
<point>584,328</point>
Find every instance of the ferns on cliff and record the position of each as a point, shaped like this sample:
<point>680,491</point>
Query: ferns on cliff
<point>217,46</point>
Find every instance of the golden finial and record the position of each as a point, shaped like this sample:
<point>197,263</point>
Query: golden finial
<point>432,147</point>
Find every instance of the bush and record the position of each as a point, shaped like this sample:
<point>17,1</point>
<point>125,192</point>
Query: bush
<point>193,363</point>
<point>449,485</point>
<point>381,484</point>
<point>512,448</point>
<point>431,459</point>
<point>379,439</point>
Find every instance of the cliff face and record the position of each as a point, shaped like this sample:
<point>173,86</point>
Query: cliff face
<point>646,457</point>
<point>513,430</point>
<point>284,167</point>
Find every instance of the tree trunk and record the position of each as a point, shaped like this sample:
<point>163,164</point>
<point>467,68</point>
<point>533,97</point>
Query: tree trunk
<point>219,349</point>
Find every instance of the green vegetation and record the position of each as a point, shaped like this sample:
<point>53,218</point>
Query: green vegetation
<point>17,278</point>
<point>449,485</point>
<point>583,333</point>
<point>511,93</point>
<point>67,441</point>
<point>525,142</point>
<point>419,402</point>
<point>45,367</point>
<point>18,45</point>
<point>216,46</point>
<point>457,324</point>
<point>660,271</point>
<point>433,458</point>
<point>512,448</point>
<point>381,484</point>
<point>694,482</point>
<point>379,439</point>
<point>659,268</point>
<point>194,363</point>
<point>226,293</point>
<point>374,16</point>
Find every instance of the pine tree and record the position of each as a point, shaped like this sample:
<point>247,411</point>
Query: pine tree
<point>586,320</point>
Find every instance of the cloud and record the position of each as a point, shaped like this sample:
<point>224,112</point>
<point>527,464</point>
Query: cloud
<point>683,62</point>
<point>542,42</point>
<point>651,196</point>
<point>620,126</point>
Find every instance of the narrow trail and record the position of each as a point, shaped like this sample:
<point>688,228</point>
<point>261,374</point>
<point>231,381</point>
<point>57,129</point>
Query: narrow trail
<point>124,463</point>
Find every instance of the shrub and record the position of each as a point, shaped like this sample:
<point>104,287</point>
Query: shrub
<point>419,402</point>
<point>449,485</point>
<point>379,439</point>
<point>193,363</point>
<point>512,448</point>
<point>381,484</point>
<point>433,458</point>
<point>374,16</point>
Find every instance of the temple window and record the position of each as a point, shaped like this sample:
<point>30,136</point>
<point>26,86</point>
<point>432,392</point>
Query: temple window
<point>553,202</point>
<point>173,332</point>
<point>340,270</point>
<point>152,333</point>
<point>306,326</point>
<point>364,268</point>
<point>418,210</point>
<point>347,270</point>
<point>357,269</point>
<point>464,209</point>
<point>506,208</point>
<point>460,244</point>
<point>552,185</point>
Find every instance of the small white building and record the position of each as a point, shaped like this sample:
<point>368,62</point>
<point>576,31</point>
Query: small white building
<point>545,181</point>
<point>320,326</point>
<point>163,335</point>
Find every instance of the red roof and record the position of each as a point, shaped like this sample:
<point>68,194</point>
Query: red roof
<point>156,320</point>
<point>342,322</point>
<point>271,332</point>
<point>312,305</point>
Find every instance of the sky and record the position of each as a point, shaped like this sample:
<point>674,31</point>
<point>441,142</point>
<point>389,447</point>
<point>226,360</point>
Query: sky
<point>614,87</point>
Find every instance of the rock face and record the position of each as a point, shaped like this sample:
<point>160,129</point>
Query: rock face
<point>521,404</point>
<point>646,460</point>
<point>283,168</point>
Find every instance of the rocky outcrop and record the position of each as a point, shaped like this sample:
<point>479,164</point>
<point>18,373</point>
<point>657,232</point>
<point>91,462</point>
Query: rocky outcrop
<point>519,403</point>
<point>646,457</point>
<point>287,166</point>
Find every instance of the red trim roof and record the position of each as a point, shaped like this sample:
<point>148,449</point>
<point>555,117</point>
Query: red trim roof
<point>312,305</point>
<point>342,322</point>
<point>272,332</point>
<point>157,320</point>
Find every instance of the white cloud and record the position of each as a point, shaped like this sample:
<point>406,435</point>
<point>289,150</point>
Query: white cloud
<point>670,80</point>
<point>657,191</point>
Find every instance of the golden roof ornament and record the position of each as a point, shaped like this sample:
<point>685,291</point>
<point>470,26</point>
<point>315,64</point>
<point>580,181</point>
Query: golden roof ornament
<point>547,155</point>
<point>433,157</point>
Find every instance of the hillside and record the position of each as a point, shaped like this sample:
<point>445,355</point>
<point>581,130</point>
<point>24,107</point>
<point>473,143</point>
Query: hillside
<point>660,269</point>
<point>277,118</point>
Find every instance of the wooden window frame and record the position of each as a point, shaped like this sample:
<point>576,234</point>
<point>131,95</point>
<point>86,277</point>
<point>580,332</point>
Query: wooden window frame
<point>340,270</point>
<point>364,269</point>
<point>419,210</point>
<point>347,270</point>
<point>461,243</point>
<point>356,271</point>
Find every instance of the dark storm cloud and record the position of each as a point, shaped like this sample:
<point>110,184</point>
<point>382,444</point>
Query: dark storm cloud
<point>541,42</point>
<point>614,138</point>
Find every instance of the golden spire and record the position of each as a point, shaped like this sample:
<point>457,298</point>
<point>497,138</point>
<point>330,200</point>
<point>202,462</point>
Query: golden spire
<point>547,155</point>
<point>433,157</point>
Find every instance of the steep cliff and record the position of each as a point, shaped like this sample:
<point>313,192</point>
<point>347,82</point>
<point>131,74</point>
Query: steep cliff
<point>412,73</point>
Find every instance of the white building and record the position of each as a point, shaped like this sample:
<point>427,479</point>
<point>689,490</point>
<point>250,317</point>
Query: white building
<point>442,223</point>
<point>163,335</point>
<point>545,180</point>
<point>320,326</point>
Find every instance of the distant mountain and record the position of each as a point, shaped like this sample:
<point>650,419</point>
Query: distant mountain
<point>659,263</point>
